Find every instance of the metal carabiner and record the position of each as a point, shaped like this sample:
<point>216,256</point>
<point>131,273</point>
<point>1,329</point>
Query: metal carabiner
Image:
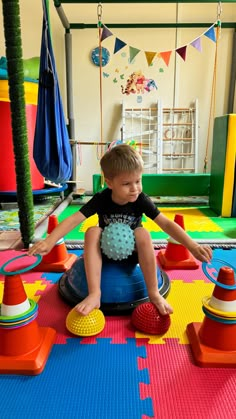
<point>219,10</point>
<point>99,12</point>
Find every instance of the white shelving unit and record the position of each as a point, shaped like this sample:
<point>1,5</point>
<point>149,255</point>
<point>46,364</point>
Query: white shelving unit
<point>166,137</point>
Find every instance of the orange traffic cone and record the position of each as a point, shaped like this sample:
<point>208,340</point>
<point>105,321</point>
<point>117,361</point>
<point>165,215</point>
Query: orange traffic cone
<point>58,260</point>
<point>176,256</point>
<point>214,340</point>
<point>24,346</point>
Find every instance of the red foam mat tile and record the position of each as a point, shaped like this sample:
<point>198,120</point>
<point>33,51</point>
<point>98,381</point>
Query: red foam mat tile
<point>181,390</point>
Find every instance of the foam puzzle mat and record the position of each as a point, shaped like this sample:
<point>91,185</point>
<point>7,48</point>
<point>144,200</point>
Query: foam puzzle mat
<point>199,222</point>
<point>121,373</point>
<point>9,219</point>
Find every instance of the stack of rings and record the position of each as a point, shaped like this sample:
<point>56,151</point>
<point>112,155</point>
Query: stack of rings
<point>19,320</point>
<point>220,316</point>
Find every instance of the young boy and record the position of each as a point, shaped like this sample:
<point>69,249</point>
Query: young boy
<point>122,201</point>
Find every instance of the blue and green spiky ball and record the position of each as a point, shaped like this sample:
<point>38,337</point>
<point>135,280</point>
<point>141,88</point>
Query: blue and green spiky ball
<point>117,241</point>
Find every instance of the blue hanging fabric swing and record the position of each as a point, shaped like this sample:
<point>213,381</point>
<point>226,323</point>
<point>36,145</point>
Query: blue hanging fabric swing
<point>52,150</point>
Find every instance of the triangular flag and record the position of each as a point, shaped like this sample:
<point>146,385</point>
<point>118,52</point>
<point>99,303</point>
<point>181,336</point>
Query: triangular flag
<point>166,56</point>
<point>150,56</point>
<point>105,33</point>
<point>210,33</point>
<point>197,44</point>
<point>182,52</point>
<point>119,44</point>
<point>132,53</point>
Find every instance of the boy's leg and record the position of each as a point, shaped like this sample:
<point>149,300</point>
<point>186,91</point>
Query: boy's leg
<point>147,261</point>
<point>93,267</point>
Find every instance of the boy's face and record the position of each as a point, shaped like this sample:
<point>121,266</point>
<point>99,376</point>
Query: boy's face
<point>125,187</point>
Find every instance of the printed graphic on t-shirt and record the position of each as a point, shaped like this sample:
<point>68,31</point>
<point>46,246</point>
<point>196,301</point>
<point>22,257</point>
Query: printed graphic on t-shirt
<point>129,219</point>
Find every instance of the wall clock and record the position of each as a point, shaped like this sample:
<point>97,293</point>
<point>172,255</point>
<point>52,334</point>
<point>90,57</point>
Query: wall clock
<point>96,58</point>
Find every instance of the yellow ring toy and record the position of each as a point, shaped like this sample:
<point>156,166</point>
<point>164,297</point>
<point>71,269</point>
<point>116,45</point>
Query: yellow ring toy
<point>220,313</point>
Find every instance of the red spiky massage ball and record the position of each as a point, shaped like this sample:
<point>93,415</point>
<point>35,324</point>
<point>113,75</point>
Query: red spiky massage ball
<point>146,318</point>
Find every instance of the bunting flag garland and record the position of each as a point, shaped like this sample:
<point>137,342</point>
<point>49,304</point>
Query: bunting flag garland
<point>119,44</point>
<point>150,56</point>
<point>210,33</point>
<point>132,53</point>
<point>196,43</point>
<point>182,52</point>
<point>165,55</point>
<point>105,33</point>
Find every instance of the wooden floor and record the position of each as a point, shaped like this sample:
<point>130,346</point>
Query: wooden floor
<point>10,240</point>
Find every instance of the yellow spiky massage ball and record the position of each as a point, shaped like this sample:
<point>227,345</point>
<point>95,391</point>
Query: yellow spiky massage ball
<point>89,325</point>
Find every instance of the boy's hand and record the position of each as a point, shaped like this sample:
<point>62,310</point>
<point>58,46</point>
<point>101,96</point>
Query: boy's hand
<point>40,248</point>
<point>202,253</point>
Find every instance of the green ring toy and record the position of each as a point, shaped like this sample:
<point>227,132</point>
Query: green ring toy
<point>20,271</point>
<point>216,318</point>
<point>9,319</point>
<point>33,308</point>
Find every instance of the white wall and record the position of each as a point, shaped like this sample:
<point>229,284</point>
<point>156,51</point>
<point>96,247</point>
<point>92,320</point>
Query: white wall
<point>180,83</point>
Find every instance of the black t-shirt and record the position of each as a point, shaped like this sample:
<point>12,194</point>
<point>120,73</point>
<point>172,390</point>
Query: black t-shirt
<point>110,212</point>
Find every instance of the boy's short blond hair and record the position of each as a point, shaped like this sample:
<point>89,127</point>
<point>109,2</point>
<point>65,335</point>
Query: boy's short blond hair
<point>121,159</point>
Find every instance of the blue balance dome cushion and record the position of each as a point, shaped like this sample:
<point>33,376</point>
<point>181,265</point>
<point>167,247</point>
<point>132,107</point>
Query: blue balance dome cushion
<point>122,284</point>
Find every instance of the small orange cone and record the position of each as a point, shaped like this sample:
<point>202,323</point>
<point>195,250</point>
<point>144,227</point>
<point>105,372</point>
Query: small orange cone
<point>176,256</point>
<point>213,341</point>
<point>24,346</point>
<point>58,260</point>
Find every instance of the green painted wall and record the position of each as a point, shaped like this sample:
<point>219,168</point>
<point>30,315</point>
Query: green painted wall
<point>169,184</point>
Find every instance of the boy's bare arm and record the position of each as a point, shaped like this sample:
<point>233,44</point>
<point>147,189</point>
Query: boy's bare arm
<point>44,246</point>
<point>203,253</point>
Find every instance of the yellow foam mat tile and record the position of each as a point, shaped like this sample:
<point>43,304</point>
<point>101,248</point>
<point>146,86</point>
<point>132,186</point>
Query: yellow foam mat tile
<point>89,222</point>
<point>186,300</point>
<point>194,220</point>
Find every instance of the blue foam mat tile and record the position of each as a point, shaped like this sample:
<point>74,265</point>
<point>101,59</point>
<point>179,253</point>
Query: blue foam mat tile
<point>226,255</point>
<point>52,277</point>
<point>81,381</point>
<point>144,376</point>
